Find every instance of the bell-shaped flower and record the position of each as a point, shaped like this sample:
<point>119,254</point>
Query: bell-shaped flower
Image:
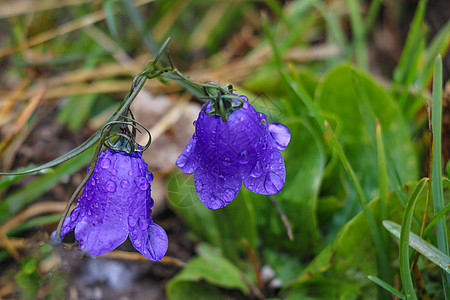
<point>116,203</point>
<point>225,153</point>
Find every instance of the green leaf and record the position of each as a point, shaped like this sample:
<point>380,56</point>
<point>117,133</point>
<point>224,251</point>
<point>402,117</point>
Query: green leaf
<point>210,266</point>
<point>436,168</point>
<point>387,286</point>
<point>225,228</point>
<point>351,256</point>
<point>338,100</point>
<point>404,240</point>
<point>415,35</point>
<point>423,247</point>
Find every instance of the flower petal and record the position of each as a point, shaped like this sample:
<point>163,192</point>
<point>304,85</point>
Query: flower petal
<point>281,135</point>
<point>268,174</point>
<point>187,161</point>
<point>151,242</point>
<point>147,237</point>
<point>104,203</point>
<point>101,232</point>
<point>215,186</point>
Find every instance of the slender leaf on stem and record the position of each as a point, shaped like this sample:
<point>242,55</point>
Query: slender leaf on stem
<point>436,166</point>
<point>420,245</point>
<point>387,286</point>
<point>14,202</point>
<point>138,83</point>
<point>404,240</point>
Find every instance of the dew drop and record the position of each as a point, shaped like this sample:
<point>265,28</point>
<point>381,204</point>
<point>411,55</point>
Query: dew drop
<point>130,173</point>
<point>125,184</point>
<point>106,163</point>
<point>137,243</point>
<point>226,161</point>
<point>149,177</point>
<point>142,223</point>
<point>75,214</point>
<point>243,157</point>
<point>89,212</point>
<point>199,185</point>
<point>110,186</point>
<point>215,203</point>
<point>130,200</point>
<point>142,183</point>
<point>114,172</point>
<point>257,171</point>
<point>132,220</point>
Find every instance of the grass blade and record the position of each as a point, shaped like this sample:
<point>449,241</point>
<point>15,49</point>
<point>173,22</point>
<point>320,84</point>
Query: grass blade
<point>404,240</point>
<point>415,35</point>
<point>420,245</point>
<point>436,166</point>
<point>374,230</point>
<point>387,286</point>
<point>358,33</point>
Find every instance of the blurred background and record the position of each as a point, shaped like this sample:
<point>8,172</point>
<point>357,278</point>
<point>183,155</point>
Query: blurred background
<point>66,65</point>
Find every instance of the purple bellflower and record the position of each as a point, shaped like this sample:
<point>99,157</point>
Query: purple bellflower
<point>115,204</point>
<point>225,153</point>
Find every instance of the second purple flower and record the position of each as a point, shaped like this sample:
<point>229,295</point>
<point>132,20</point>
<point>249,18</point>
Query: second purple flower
<point>225,154</point>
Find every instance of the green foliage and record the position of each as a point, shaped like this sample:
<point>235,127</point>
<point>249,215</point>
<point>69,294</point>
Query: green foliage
<point>202,273</point>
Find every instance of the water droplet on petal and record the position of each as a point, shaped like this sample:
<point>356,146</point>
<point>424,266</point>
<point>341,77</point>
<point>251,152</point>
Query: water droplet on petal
<point>149,176</point>
<point>143,224</point>
<point>199,185</point>
<point>137,243</point>
<point>130,173</point>
<point>110,186</point>
<point>142,183</point>
<point>89,212</point>
<point>257,170</point>
<point>243,157</point>
<point>114,172</point>
<point>132,220</point>
<point>105,163</point>
<point>75,214</point>
<point>125,184</point>
<point>130,200</point>
<point>181,161</point>
<point>226,161</point>
<point>215,203</point>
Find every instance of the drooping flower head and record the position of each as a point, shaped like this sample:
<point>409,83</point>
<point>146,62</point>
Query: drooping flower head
<point>240,147</point>
<point>116,203</point>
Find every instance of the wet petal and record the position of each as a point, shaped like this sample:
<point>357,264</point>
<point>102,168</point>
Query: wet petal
<point>268,174</point>
<point>70,222</point>
<point>147,237</point>
<point>104,206</point>
<point>280,134</point>
<point>187,161</point>
<point>215,186</point>
<point>151,242</point>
